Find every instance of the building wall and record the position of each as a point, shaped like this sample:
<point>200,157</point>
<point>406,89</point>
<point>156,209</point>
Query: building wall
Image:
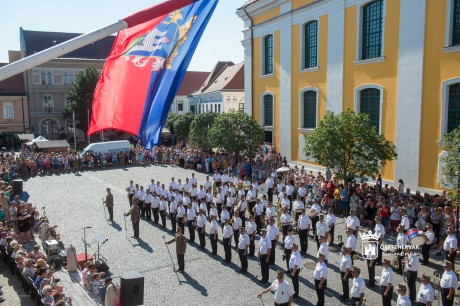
<point>231,100</point>
<point>20,121</point>
<point>411,72</point>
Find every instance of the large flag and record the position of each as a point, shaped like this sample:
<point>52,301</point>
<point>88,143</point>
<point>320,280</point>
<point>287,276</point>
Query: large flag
<point>144,71</point>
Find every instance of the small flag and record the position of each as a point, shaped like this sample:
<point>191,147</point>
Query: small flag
<point>144,71</point>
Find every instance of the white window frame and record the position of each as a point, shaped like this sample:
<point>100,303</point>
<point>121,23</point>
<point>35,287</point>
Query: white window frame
<point>36,72</point>
<point>262,58</point>
<point>302,45</point>
<point>449,27</point>
<point>6,105</point>
<point>301,110</point>
<point>43,102</point>
<point>358,100</point>
<point>359,38</point>
<point>445,104</point>
<point>262,111</point>
<point>180,102</point>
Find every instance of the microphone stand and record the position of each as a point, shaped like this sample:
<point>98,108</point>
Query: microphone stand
<point>84,240</point>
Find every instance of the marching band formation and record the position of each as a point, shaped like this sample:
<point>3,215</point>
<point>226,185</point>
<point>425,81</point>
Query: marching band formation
<point>241,210</point>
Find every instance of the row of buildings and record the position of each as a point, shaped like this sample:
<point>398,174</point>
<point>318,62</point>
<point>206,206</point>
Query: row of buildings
<point>396,60</point>
<point>33,102</point>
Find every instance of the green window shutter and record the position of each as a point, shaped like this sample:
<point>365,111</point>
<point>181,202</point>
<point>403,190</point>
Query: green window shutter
<point>456,24</point>
<point>453,112</point>
<point>372,30</point>
<point>309,109</point>
<point>311,45</point>
<point>268,110</point>
<point>370,104</point>
<point>268,54</point>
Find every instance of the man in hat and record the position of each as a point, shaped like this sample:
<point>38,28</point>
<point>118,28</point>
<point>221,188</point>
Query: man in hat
<point>288,242</point>
<point>191,222</point>
<point>227,234</point>
<point>135,218</point>
<point>321,229</point>
<point>387,279</point>
<point>401,241</point>
<point>273,234</point>
<point>425,294</point>
<point>213,235</point>
<point>323,248</point>
<point>294,265</point>
<point>109,203</point>
<point>265,246</point>
<point>320,276</point>
<point>379,230</point>
<point>449,281</point>
<point>181,246</point>
<point>284,292</point>
<point>405,223</point>
<point>429,237</point>
<point>351,242</point>
<point>201,225</point>
<point>303,228</point>
<point>243,249</point>
<point>357,287</point>
<point>251,230</point>
<point>345,272</point>
<point>403,299</point>
<point>412,266</point>
<point>450,246</point>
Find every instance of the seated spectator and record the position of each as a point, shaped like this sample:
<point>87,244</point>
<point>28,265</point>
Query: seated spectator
<point>36,253</point>
<point>47,293</point>
<point>96,283</point>
<point>60,301</point>
<point>41,275</point>
<point>28,269</point>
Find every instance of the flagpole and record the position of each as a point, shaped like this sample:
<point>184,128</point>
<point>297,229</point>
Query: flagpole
<point>89,136</point>
<point>74,136</point>
<point>46,55</point>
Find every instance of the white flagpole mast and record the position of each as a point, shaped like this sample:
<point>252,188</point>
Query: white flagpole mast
<point>74,136</point>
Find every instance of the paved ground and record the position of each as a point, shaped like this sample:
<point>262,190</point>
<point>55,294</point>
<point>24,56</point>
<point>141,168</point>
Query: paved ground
<point>74,202</point>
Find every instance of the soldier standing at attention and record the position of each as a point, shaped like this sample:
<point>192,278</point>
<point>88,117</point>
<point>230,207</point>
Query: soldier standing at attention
<point>109,203</point>
<point>181,246</point>
<point>135,218</point>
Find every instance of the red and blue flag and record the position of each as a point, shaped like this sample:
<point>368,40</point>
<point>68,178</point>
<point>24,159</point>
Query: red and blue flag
<point>144,71</point>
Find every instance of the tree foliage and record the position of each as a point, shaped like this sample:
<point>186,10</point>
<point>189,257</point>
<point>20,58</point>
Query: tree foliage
<point>232,130</point>
<point>199,130</point>
<point>451,163</point>
<point>349,145</point>
<point>80,97</point>
<point>182,125</point>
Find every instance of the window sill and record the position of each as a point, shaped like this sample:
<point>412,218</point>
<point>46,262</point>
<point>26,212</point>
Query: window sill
<point>266,75</point>
<point>268,128</point>
<point>451,49</point>
<point>370,61</point>
<point>304,130</point>
<point>312,69</point>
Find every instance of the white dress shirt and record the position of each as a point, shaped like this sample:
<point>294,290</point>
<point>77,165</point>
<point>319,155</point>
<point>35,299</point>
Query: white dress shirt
<point>227,231</point>
<point>351,242</point>
<point>414,263</point>
<point>449,279</point>
<point>289,240</point>
<point>304,222</point>
<point>295,260</point>
<point>387,277</point>
<point>403,301</point>
<point>264,245</point>
<point>345,263</point>
<point>357,287</point>
<point>320,271</point>
<point>243,241</point>
<point>425,293</point>
<point>283,291</point>
<point>450,243</point>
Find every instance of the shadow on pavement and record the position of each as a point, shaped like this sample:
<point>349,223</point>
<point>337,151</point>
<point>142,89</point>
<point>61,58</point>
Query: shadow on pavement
<point>116,226</point>
<point>143,245</point>
<point>192,282</point>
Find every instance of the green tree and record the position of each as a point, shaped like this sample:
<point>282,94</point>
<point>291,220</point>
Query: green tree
<point>199,130</point>
<point>349,145</point>
<point>182,125</point>
<point>451,167</point>
<point>80,97</point>
<point>231,132</point>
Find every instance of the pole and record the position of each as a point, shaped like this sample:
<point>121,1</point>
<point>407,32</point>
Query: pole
<point>86,246</point>
<point>23,116</point>
<point>170,256</point>
<point>126,229</point>
<point>87,117</point>
<point>103,208</point>
<point>74,136</point>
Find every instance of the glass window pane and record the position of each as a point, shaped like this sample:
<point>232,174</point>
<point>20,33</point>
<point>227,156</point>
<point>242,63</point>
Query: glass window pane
<point>372,30</point>
<point>453,115</point>
<point>268,110</point>
<point>370,104</point>
<point>309,110</point>
<point>456,24</point>
<point>311,44</point>
<point>268,54</point>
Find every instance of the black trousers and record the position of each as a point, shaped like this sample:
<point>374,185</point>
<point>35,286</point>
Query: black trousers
<point>219,208</point>
<point>258,220</point>
<point>243,260</point>
<point>272,253</point>
<point>303,236</point>
<point>451,259</point>
<point>236,235</point>
<point>213,243</point>
<point>227,249</point>
<point>252,246</point>
<point>163,217</point>
<point>180,223</point>
<point>282,304</point>
<point>110,209</point>
<point>130,199</point>
<point>242,216</point>
<point>371,271</point>
<point>345,285</point>
<point>354,301</point>
<point>444,294</point>
<point>331,231</point>
<point>191,230</point>
<point>201,236</point>
<point>287,253</point>
<point>264,267</point>
<point>313,222</point>
<point>411,278</point>
<point>270,194</point>
<point>379,255</point>
<point>173,222</point>
<point>320,292</point>
<point>295,280</point>
<point>136,229</point>
<point>155,212</point>
<point>426,253</point>
<point>285,229</point>
<point>148,211</point>
<point>386,301</point>
<point>181,262</point>
<point>251,206</point>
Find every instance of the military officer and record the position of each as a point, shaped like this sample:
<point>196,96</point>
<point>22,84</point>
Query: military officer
<point>109,203</point>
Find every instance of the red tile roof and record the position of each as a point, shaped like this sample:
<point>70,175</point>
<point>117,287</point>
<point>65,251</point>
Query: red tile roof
<point>13,85</point>
<point>192,82</point>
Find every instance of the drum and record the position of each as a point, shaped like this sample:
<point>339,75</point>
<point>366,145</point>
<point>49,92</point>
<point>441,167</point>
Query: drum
<point>414,237</point>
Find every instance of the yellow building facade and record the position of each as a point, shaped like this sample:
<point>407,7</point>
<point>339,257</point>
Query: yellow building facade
<point>396,60</point>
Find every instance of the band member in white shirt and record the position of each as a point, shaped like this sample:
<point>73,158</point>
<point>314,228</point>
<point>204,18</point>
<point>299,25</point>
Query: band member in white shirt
<point>449,281</point>
<point>345,273</point>
<point>425,295</point>
<point>227,234</point>
<point>320,276</point>
<point>412,266</point>
<point>401,241</point>
<point>191,222</point>
<point>357,288</point>
<point>243,249</point>
<point>323,248</point>
<point>387,281</point>
<point>429,236</point>
<point>351,242</point>
<point>297,208</point>
<point>315,210</point>
<point>404,220</point>
<point>273,234</point>
<point>353,222</point>
<point>450,246</point>
<point>201,225</point>
<point>288,242</point>
<point>379,230</point>
<point>236,224</point>
<point>283,290</point>
<point>251,230</point>
<point>180,216</point>
<point>321,229</point>
<point>330,221</point>
<point>403,299</point>
<point>163,207</point>
<point>259,215</point>
<point>213,235</point>
<point>285,219</point>
<point>303,228</point>
<point>265,246</point>
<point>294,265</point>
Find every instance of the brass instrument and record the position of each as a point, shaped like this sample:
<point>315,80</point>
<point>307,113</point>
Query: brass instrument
<point>239,185</point>
<point>357,256</point>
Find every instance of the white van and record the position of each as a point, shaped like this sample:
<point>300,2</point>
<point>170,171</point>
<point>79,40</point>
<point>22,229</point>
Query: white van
<point>106,147</point>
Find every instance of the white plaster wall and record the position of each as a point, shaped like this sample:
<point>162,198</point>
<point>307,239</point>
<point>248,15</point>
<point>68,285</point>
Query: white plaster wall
<point>285,91</point>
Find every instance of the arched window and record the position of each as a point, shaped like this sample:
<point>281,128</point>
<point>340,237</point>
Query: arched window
<point>453,110</point>
<point>311,45</point>
<point>369,103</point>
<point>267,54</point>
<point>267,110</point>
<point>309,109</point>
<point>372,30</point>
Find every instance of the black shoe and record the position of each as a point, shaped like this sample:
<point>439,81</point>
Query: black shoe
<point>295,296</point>
<point>344,298</point>
<point>133,236</point>
<point>136,238</point>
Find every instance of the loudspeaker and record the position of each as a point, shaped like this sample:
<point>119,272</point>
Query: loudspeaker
<point>101,266</point>
<point>132,289</point>
<point>17,187</point>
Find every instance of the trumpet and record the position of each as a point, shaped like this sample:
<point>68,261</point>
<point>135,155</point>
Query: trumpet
<point>357,256</point>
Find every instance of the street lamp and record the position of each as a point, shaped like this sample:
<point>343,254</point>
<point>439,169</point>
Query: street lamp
<point>249,142</point>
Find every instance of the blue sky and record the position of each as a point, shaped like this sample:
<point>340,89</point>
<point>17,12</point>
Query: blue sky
<point>220,41</point>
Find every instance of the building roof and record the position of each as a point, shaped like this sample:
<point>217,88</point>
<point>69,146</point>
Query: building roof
<point>229,78</point>
<point>52,144</point>
<point>26,136</point>
<point>216,71</point>
<point>36,41</point>
<point>191,82</point>
<point>13,86</point>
